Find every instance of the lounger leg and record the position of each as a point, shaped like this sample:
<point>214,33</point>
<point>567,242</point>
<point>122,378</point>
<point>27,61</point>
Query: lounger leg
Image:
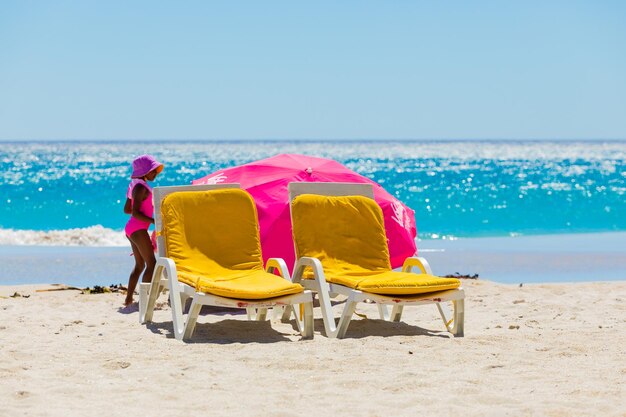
<point>192,318</point>
<point>453,322</point>
<point>250,312</point>
<point>327,313</point>
<point>396,313</point>
<point>382,310</point>
<point>285,313</point>
<point>154,288</point>
<point>184,299</point>
<point>459,318</point>
<point>346,316</point>
<point>307,330</point>
<point>444,312</point>
<point>261,314</point>
<point>322,288</point>
<point>177,309</point>
<point>144,288</point>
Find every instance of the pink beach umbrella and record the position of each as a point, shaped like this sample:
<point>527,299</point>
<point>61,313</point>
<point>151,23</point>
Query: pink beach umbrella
<point>267,179</point>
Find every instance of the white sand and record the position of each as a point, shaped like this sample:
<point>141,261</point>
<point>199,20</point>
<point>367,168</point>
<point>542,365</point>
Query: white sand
<point>555,349</point>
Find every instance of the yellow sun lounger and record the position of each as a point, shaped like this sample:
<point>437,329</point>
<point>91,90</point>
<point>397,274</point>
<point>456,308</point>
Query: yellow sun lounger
<point>341,246</point>
<point>210,251</point>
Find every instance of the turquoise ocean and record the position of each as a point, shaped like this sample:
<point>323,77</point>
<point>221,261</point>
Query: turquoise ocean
<point>75,190</point>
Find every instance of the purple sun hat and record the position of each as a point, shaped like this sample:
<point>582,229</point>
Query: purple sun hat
<point>143,164</point>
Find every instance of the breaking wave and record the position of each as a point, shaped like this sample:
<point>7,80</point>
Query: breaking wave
<point>88,236</point>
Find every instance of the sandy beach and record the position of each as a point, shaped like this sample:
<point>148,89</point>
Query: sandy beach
<point>538,349</point>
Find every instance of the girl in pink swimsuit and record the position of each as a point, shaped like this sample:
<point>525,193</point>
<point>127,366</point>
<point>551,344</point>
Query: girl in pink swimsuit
<point>139,206</point>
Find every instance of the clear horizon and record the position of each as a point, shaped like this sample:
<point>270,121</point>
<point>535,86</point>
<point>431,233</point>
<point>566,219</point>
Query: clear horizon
<point>130,140</point>
<point>285,71</point>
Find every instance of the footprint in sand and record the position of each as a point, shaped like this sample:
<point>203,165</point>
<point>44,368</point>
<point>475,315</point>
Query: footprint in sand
<point>114,365</point>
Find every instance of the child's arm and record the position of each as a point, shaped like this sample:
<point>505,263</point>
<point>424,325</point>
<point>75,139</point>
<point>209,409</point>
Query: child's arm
<point>128,209</point>
<point>140,193</point>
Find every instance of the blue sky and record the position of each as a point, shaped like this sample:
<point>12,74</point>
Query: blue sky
<point>288,69</point>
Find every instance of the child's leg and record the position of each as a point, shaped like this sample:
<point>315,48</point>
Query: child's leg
<point>144,245</point>
<point>134,275</point>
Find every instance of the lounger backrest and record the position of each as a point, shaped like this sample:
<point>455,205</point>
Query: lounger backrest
<point>218,226</point>
<point>343,231</point>
<point>159,193</point>
<point>330,188</point>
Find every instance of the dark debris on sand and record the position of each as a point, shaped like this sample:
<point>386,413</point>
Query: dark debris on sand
<point>461,276</point>
<point>97,289</point>
<point>18,295</point>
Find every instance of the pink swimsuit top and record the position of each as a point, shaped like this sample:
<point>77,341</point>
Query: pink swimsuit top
<point>146,208</point>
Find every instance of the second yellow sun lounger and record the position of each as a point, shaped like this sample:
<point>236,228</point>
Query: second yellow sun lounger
<point>340,242</point>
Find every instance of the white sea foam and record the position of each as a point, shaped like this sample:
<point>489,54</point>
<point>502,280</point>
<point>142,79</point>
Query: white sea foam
<point>100,236</point>
<point>89,236</point>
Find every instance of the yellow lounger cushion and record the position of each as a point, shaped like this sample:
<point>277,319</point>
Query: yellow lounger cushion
<point>213,238</point>
<point>399,283</point>
<point>255,285</point>
<point>347,234</point>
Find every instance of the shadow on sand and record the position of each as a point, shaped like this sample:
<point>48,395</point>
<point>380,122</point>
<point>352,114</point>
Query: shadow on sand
<point>226,332</point>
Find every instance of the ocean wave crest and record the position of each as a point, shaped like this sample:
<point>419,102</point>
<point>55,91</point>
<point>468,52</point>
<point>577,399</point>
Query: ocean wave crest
<point>88,236</point>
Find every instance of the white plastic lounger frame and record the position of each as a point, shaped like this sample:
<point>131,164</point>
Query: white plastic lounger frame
<point>165,277</point>
<point>453,321</point>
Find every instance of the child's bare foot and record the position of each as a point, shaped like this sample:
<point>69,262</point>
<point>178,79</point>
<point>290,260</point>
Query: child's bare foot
<point>128,301</point>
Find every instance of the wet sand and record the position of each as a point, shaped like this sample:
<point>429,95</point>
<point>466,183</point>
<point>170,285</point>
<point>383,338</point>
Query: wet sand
<point>522,259</point>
